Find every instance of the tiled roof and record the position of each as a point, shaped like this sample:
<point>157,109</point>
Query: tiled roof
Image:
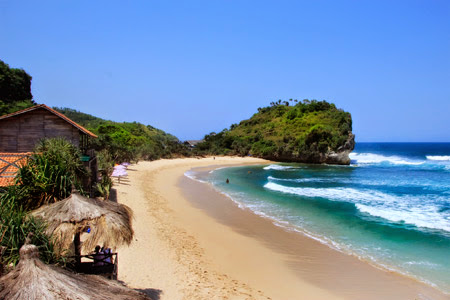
<point>81,128</point>
<point>10,164</point>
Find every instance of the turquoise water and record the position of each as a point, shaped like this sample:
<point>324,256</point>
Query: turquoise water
<point>391,206</point>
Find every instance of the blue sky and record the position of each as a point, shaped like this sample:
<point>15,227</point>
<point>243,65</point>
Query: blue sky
<point>193,67</point>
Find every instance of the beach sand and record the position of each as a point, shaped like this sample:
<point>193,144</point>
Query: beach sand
<point>192,242</point>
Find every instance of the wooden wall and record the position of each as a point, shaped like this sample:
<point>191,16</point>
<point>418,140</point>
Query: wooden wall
<point>21,133</point>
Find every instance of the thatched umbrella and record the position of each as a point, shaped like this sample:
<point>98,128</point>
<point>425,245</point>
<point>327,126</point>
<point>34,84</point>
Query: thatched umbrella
<point>32,279</point>
<point>109,222</point>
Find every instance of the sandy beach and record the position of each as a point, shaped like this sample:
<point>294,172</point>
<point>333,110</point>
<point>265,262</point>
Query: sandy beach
<point>192,242</point>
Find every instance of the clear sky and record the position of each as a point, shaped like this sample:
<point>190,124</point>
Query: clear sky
<point>193,67</point>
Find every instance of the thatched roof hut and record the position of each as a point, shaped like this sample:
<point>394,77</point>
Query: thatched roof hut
<point>109,222</point>
<point>32,279</point>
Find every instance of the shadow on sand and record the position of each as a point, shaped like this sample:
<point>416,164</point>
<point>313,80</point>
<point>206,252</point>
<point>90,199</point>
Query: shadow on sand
<point>155,294</point>
<point>113,195</point>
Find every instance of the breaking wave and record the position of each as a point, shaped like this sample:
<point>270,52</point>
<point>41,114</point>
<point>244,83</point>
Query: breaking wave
<point>336,194</point>
<point>438,157</point>
<point>417,216</point>
<point>372,158</point>
<point>312,179</point>
<point>278,167</point>
<point>391,208</point>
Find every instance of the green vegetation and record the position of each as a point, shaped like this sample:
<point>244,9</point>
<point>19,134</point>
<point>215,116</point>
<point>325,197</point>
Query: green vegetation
<point>128,141</point>
<point>15,89</point>
<point>105,165</point>
<point>49,174</point>
<point>15,226</point>
<point>48,177</point>
<point>306,131</point>
<point>85,120</point>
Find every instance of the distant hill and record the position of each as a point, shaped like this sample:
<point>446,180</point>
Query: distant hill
<point>128,141</point>
<point>292,131</point>
<point>85,120</point>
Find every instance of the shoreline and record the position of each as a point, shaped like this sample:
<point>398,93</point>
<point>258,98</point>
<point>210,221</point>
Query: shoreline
<point>205,249</point>
<point>385,283</point>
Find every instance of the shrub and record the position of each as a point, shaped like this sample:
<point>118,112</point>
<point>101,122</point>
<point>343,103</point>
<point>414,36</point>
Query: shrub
<point>50,174</point>
<point>15,225</point>
<point>264,148</point>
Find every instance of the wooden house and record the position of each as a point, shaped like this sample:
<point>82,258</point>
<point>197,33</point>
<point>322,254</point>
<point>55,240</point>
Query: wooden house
<point>20,131</point>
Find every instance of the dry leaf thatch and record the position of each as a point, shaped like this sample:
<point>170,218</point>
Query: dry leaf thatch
<point>109,222</point>
<point>32,279</point>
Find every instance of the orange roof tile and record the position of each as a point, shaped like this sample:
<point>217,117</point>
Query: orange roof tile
<point>81,128</point>
<point>10,164</point>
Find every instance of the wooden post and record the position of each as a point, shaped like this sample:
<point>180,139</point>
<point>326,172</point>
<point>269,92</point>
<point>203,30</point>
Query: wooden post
<point>116,267</point>
<point>77,244</point>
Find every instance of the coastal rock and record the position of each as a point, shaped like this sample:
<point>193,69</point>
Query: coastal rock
<point>338,157</point>
<point>341,157</point>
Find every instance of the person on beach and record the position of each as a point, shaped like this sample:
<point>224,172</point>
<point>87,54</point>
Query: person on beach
<point>98,257</point>
<point>108,254</point>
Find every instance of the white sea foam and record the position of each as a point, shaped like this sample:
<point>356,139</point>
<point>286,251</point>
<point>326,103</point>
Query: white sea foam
<point>426,217</point>
<point>238,203</point>
<point>422,183</point>
<point>439,157</point>
<point>278,167</point>
<point>392,208</point>
<point>217,169</point>
<point>315,179</point>
<point>422,263</point>
<point>336,194</point>
<point>310,179</point>
<point>190,174</point>
<point>372,158</point>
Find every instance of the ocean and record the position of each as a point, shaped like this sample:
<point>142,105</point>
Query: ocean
<point>390,207</point>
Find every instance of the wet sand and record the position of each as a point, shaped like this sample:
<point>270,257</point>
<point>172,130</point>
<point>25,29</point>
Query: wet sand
<point>192,242</point>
